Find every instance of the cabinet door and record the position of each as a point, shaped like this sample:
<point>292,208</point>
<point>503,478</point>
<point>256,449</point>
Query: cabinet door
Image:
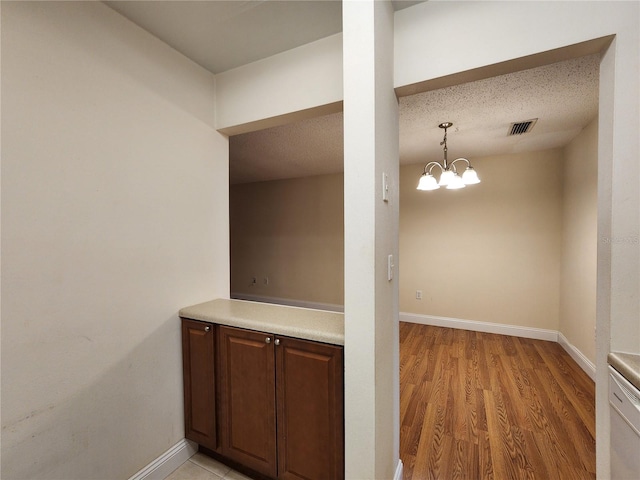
<point>247,395</point>
<point>199,383</point>
<point>310,410</point>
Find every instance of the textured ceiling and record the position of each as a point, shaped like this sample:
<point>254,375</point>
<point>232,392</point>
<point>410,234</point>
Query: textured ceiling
<point>220,35</point>
<point>563,96</point>
<point>300,149</point>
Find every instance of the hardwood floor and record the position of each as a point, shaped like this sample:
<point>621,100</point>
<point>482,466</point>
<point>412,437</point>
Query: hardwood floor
<point>484,406</point>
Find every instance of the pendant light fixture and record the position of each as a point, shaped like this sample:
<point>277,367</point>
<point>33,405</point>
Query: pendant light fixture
<point>449,177</point>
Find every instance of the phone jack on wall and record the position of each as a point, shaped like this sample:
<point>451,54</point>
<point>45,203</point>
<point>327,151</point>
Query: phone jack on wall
<point>254,281</point>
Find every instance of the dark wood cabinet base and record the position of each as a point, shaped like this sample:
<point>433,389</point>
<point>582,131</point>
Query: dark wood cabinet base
<point>268,406</point>
<point>198,361</point>
<point>247,409</point>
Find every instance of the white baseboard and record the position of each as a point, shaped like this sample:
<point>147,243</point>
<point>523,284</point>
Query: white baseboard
<point>166,463</point>
<point>473,325</point>
<point>289,302</point>
<point>578,356</point>
<point>516,331</point>
<point>487,327</point>
<point>399,469</point>
<point>182,451</point>
<point>162,466</point>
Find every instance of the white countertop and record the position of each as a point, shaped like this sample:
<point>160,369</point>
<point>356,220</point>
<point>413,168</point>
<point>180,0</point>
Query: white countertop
<point>305,323</point>
<point>628,364</point>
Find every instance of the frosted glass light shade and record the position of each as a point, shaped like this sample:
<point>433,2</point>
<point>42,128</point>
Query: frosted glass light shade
<point>455,183</point>
<point>470,177</point>
<point>446,178</point>
<point>428,182</point>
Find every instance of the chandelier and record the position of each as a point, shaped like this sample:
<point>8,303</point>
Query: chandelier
<point>449,177</point>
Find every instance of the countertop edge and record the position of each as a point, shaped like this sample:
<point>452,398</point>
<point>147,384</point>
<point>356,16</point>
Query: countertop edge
<point>628,365</point>
<point>206,312</point>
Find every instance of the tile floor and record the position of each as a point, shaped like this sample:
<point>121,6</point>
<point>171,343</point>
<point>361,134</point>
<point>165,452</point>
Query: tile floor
<point>201,467</point>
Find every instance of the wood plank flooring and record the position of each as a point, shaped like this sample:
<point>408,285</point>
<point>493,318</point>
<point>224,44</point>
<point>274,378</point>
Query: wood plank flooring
<point>483,406</point>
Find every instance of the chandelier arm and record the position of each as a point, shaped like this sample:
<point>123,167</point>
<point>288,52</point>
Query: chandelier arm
<point>430,166</point>
<point>457,159</point>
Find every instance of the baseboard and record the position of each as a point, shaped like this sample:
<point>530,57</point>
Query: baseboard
<point>487,327</point>
<point>473,325</point>
<point>582,361</point>
<point>526,332</point>
<point>166,463</point>
<point>399,469</point>
<point>289,302</point>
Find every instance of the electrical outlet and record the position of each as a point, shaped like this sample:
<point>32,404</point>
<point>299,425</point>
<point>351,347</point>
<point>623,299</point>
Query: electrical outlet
<point>418,294</point>
<point>266,280</point>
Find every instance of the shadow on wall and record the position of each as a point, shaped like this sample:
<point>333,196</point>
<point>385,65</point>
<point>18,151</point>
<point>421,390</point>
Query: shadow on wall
<point>84,437</point>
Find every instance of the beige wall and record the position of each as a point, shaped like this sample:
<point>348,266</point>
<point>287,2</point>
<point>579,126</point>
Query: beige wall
<point>114,216</point>
<point>518,251</point>
<point>580,241</point>
<point>291,231</point>
<point>490,252</point>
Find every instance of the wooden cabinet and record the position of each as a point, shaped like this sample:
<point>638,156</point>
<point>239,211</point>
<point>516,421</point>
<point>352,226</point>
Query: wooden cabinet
<point>198,362</point>
<point>309,380</point>
<point>248,399</point>
<point>280,404</point>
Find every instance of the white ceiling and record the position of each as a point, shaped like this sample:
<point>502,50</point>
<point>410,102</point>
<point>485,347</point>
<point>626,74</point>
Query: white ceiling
<point>220,35</point>
<point>224,34</point>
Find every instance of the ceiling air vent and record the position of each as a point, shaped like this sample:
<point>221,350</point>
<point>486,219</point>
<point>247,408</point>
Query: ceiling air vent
<point>519,128</point>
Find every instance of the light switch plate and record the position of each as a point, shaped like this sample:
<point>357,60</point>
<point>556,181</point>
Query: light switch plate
<point>385,187</point>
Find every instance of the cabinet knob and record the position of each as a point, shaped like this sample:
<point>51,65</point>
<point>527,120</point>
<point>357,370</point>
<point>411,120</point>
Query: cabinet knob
<point>207,328</point>
<point>277,341</point>
<point>267,340</point>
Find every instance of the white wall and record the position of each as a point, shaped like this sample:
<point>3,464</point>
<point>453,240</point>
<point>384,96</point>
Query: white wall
<point>114,216</point>
<point>447,38</point>
<point>371,234</point>
<point>283,88</point>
